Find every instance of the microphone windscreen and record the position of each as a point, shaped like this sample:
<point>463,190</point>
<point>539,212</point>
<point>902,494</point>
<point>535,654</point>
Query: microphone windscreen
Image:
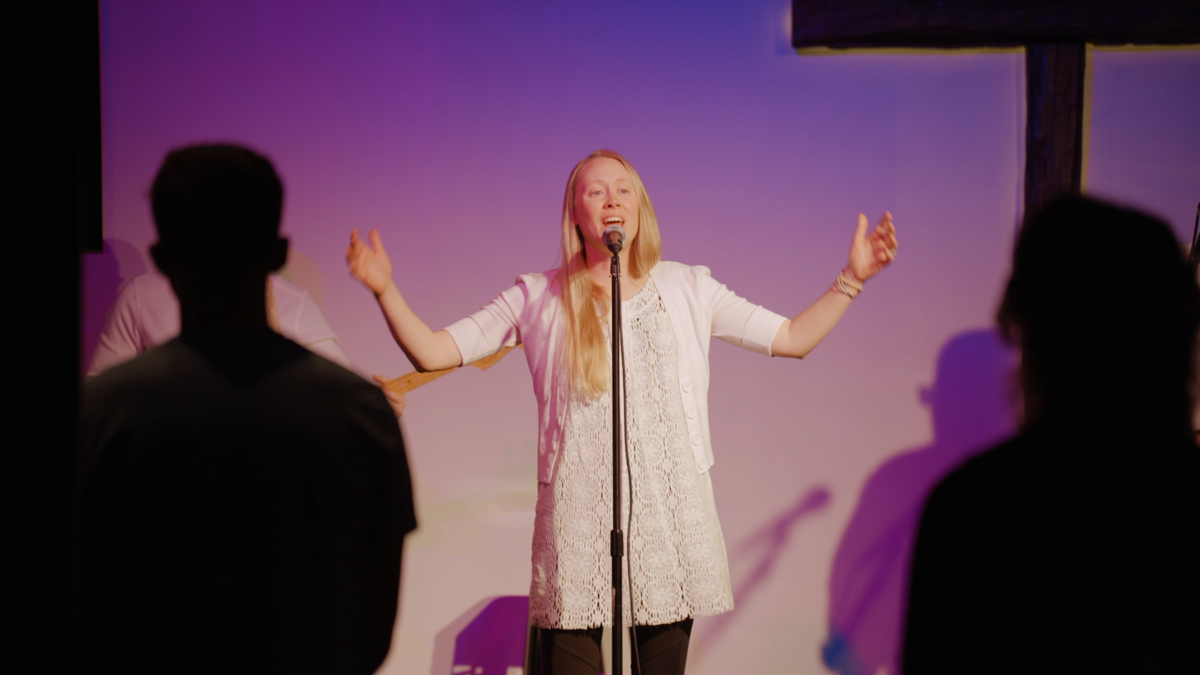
<point>614,238</point>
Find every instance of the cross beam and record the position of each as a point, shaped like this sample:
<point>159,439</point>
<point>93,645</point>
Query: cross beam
<point>1054,34</point>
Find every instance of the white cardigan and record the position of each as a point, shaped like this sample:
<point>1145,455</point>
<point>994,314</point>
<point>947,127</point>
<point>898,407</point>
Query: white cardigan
<point>699,307</point>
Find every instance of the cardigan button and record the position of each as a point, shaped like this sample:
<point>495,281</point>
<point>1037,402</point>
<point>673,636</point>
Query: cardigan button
<point>696,439</point>
<point>687,386</point>
<point>691,412</point>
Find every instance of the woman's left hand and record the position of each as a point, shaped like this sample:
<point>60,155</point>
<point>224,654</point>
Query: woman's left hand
<point>870,253</point>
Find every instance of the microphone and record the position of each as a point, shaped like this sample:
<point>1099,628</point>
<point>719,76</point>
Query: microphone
<point>614,238</point>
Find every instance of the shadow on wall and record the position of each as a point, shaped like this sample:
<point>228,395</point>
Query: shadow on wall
<point>759,553</point>
<point>487,639</point>
<point>102,275</point>
<point>971,405</point>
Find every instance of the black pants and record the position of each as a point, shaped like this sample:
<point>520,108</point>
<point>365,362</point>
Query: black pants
<point>661,650</point>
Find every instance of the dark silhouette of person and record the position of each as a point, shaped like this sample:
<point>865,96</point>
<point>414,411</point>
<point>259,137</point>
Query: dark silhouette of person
<point>1073,547</point>
<point>242,502</point>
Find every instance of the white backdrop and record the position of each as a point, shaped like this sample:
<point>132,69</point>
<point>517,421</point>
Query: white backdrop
<point>451,128</point>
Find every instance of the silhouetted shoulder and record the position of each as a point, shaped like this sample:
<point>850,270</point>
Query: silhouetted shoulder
<point>1061,493</point>
<point>988,477</point>
<point>1050,549</point>
<point>286,398</point>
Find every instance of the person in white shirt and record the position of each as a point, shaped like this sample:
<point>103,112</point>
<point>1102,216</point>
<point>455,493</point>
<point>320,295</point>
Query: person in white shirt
<point>146,314</point>
<point>675,554</point>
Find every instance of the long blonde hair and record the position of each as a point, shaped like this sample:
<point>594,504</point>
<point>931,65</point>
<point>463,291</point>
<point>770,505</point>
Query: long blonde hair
<point>583,301</point>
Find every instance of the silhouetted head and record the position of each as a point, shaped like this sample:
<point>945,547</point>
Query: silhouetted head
<point>217,210</point>
<point>1105,312</point>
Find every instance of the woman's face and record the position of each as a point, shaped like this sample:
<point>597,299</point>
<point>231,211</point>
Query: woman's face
<point>605,195</point>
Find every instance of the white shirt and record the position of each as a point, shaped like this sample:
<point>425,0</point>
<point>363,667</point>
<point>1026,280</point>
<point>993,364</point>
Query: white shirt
<point>699,308</point>
<point>146,314</point>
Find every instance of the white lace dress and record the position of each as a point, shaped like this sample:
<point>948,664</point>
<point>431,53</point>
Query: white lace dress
<point>675,564</point>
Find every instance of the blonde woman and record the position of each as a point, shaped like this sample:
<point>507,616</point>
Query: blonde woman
<point>675,558</point>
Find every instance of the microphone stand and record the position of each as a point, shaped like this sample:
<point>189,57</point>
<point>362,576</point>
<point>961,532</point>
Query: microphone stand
<point>1194,261</point>
<point>618,537</point>
<point>1194,254</point>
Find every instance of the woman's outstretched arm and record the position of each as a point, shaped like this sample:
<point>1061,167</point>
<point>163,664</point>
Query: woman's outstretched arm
<point>426,350</point>
<point>868,255</point>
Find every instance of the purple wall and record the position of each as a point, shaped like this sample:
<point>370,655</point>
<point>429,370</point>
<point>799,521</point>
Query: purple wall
<point>451,127</point>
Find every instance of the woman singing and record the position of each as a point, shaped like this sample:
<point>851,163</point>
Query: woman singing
<point>675,553</point>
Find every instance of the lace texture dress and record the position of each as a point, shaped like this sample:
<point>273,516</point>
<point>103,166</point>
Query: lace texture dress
<point>675,564</point>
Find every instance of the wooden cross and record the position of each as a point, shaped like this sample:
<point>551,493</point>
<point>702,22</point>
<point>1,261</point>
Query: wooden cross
<point>1054,34</point>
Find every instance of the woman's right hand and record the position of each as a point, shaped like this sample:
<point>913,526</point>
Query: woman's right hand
<point>369,263</point>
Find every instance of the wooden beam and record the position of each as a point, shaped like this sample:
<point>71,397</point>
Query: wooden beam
<point>843,24</point>
<point>1054,77</point>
